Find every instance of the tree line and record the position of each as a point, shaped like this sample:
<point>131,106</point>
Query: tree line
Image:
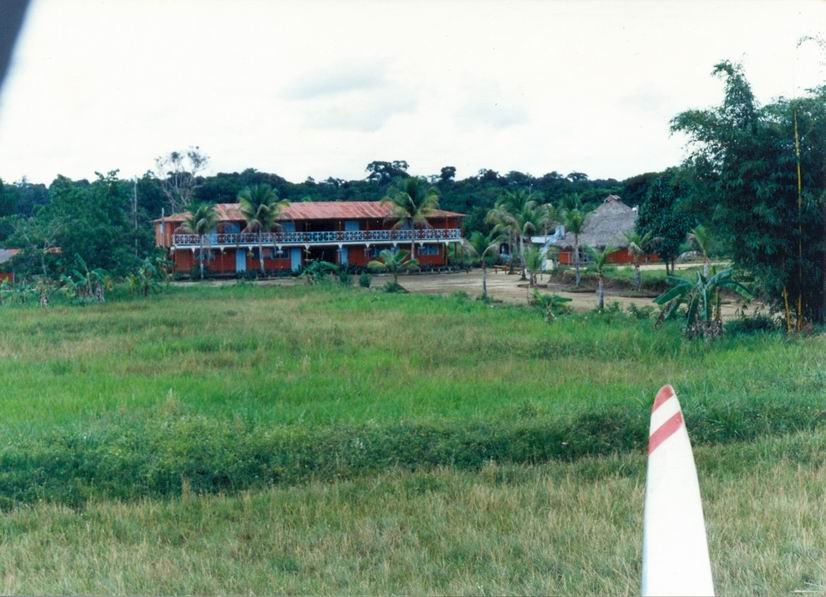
<point>754,181</point>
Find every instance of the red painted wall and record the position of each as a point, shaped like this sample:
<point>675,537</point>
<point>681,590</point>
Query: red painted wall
<point>7,276</point>
<point>620,257</point>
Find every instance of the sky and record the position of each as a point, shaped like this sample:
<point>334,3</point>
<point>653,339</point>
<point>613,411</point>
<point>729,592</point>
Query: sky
<point>316,88</point>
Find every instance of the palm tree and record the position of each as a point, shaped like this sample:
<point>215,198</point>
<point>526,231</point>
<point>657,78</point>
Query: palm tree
<point>600,261</point>
<point>702,300</point>
<point>201,219</point>
<point>519,212</point>
<point>411,204</point>
<point>260,206</point>
<point>394,262</point>
<point>575,224</point>
<point>526,215</point>
<point>546,217</point>
<point>638,247</point>
<point>533,263</point>
<point>483,245</point>
<point>701,238</point>
<point>501,217</point>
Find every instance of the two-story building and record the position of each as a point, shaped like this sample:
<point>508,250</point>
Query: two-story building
<point>349,233</point>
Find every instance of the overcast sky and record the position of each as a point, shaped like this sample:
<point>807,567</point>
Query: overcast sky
<point>320,89</point>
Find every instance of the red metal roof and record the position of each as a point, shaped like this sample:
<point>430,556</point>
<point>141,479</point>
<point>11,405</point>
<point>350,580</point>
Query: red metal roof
<point>317,210</point>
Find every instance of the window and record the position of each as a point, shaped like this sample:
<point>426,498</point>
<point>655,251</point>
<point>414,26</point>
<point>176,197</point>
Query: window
<point>279,253</point>
<point>428,250</point>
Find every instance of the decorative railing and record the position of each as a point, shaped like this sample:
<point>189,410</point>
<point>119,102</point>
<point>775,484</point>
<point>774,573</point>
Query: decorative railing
<point>325,237</point>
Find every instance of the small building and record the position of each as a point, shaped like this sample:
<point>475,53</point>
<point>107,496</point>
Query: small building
<point>6,273</point>
<point>606,226</point>
<point>349,233</point>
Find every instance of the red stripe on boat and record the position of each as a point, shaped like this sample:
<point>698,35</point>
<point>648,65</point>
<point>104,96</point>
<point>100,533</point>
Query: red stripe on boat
<point>665,393</point>
<point>665,431</point>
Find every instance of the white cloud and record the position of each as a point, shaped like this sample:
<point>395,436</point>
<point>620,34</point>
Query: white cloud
<point>322,88</point>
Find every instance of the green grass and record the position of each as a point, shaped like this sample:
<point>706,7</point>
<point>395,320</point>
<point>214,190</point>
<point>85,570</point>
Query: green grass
<point>247,439</point>
<point>558,528</point>
<point>238,387</point>
<point>652,280</point>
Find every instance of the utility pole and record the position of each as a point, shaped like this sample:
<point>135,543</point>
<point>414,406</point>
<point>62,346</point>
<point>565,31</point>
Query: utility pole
<point>135,212</point>
<point>799,227</point>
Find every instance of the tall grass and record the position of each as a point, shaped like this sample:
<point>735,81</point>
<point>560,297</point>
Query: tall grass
<point>557,528</point>
<point>224,389</point>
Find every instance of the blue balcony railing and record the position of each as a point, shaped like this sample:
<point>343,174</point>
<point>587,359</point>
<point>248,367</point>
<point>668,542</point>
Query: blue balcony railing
<point>324,237</point>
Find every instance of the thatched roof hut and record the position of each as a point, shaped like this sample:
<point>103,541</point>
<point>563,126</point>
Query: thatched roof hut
<point>606,226</point>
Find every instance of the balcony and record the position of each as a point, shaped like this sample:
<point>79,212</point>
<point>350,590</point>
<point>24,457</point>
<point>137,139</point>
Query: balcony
<point>326,237</point>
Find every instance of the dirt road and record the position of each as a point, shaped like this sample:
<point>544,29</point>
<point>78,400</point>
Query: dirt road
<point>501,286</point>
<point>510,289</point>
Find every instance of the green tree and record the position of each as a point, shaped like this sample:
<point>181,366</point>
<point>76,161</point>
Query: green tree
<point>664,214</point>
<point>393,262</point>
<point>700,237</point>
<point>201,220</point>
<point>575,224</point>
<point>485,246</point>
<point>259,205</point>
<point>745,161</point>
<point>519,212</point>
<point>534,258</point>
<point>90,219</point>
<point>639,245</point>
<point>411,203</point>
<point>384,172</point>
<point>600,260</point>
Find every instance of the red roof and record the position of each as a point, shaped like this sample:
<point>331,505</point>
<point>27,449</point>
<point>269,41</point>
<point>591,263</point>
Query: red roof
<point>317,210</point>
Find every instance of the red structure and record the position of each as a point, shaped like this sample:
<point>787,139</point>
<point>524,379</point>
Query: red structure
<point>349,233</point>
<point>6,273</point>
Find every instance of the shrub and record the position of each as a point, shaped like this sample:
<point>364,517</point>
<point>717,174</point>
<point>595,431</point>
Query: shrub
<point>345,278</point>
<point>750,324</point>
<point>365,279</point>
<point>645,312</point>
<point>394,287</point>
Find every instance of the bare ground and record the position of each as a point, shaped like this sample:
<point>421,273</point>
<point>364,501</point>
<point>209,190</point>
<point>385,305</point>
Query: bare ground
<point>501,286</point>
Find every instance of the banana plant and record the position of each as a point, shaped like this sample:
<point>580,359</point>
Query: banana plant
<point>146,278</point>
<point>552,304</point>
<point>701,298</point>
<point>316,270</point>
<point>87,284</point>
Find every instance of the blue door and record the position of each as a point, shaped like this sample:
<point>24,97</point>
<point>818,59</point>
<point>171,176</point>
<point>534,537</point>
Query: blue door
<point>240,260</point>
<point>343,256</point>
<point>295,259</point>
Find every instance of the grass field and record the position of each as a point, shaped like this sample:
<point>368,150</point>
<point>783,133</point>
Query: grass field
<point>322,440</point>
